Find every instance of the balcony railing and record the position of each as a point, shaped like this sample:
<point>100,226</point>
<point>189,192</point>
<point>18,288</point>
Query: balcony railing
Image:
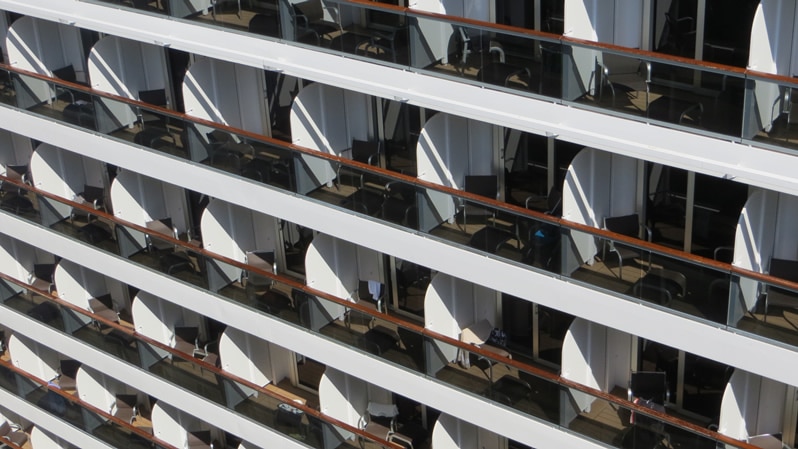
<point>659,276</point>
<point>525,388</point>
<point>81,415</point>
<point>706,98</point>
<point>185,371</point>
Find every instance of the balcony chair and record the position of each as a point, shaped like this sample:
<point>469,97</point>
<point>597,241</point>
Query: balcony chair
<point>125,407</point>
<point>648,389</point>
<point>776,296</point>
<point>186,339</point>
<point>265,24</point>
<point>364,152</point>
<point>80,110</point>
<point>91,196</point>
<point>103,306</point>
<point>660,285</point>
<point>67,374</point>
<point>400,205</point>
<point>17,173</point>
<point>627,225</point>
<point>321,19</point>
<point>264,260</point>
<point>13,433</point>
<point>483,185</point>
<point>41,277</point>
<point>223,145</point>
<point>379,420</point>
<point>154,127</point>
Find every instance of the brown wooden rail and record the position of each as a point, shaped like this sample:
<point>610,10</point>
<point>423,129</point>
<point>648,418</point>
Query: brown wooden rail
<point>76,400</point>
<point>393,319</point>
<point>204,365</point>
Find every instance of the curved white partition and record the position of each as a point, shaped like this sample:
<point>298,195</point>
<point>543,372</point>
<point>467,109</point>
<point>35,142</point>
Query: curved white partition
<point>64,173</point>
<point>451,305</point>
<point>597,185</point>
<point>222,92</point>
<point>448,149</point>
<point>77,285</point>
<point>33,358</point>
<point>15,149</point>
<point>327,119</point>
<point>140,199</point>
<point>452,433</point>
<point>41,439</point>
<point>97,389</point>
<point>232,231</point>
<point>16,259</point>
<point>31,46</point>
<point>125,68</point>
<point>343,397</point>
<point>331,266</point>
<point>752,405</point>
<point>173,425</point>
<point>158,319</point>
<point>253,359</point>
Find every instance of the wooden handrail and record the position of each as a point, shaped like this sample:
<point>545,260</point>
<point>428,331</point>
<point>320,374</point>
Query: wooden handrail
<point>80,403</point>
<point>204,365</point>
<point>393,319</point>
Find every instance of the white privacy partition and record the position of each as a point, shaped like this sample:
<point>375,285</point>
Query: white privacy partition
<point>327,119</point>
<point>33,358</point>
<point>16,259</point>
<point>452,433</point>
<point>449,148</point>
<point>63,173</point>
<point>331,267</point>
<point>597,185</point>
<point>158,319</point>
<point>124,67</point>
<point>596,356</point>
<point>41,439</point>
<point>232,231</point>
<point>759,237</point>
<point>41,46</point>
<point>752,405</point>
<point>173,425</point>
<point>77,285</point>
<point>15,149</point>
<point>770,52</point>
<point>227,93</point>
<point>343,397</point>
<point>98,389</point>
<point>140,199</point>
<point>452,304</point>
<point>253,359</point>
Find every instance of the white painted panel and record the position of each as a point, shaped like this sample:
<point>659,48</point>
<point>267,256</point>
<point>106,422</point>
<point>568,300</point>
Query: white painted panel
<point>97,389</point>
<point>77,284</point>
<point>107,71</point>
<point>452,433</point>
<point>35,359</point>
<point>49,167</point>
<point>15,149</point>
<point>787,246</point>
<point>583,20</point>
<point>41,439</point>
<point>154,317</point>
<point>586,198</point>
<point>217,235</point>
<point>331,266</point>
<point>10,262</point>
<point>166,424</point>
<point>619,353</point>
<point>174,198</point>
<point>628,24</point>
<point>245,356</point>
<point>369,265</point>
<point>265,228</point>
<point>584,358</point>
<point>342,397</point>
<point>752,405</point>
<point>622,179</point>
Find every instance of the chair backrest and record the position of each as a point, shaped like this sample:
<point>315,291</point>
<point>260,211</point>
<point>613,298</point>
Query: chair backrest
<point>155,97</point>
<point>785,269</point>
<point>483,185</point>
<point>66,73</point>
<point>105,300</point>
<point>628,225</point>
<point>651,385</point>
<point>266,24</point>
<point>365,151</point>
<point>44,271</point>
<point>92,193</point>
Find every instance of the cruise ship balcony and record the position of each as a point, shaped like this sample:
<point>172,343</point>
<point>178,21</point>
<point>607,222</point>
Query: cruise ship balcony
<point>486,363</point>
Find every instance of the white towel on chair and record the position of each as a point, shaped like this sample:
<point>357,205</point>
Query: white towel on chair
<point>374,289</point>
